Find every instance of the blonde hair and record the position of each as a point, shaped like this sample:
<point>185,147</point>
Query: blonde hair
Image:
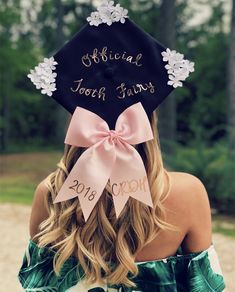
<point>103,239</point>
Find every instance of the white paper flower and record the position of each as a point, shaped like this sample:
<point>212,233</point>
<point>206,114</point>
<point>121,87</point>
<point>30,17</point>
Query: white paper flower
<point>108,13</point>
<point>106,17</point>
<point>49,63</point>
<point>38,85</point>
<point>166,55</point>
<point>48,88</point>
<point>49,78</point>
<point>43,76</point>
<point>94,19</point>
<point>170,69</point>
<point>33,77</point>
<point>189,65</point>
<point>178,68</point>
<point>174,81</point>
<point>119,14</point>
<point>176,58</point>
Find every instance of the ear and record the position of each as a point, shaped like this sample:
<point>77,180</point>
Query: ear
<point>39,212</point>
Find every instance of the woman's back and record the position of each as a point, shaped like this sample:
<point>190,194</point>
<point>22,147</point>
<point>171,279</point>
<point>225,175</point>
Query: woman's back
<point>188,208</point>
<point>173,261</point>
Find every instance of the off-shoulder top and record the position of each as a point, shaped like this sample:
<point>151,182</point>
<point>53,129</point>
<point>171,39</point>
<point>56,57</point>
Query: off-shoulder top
<point>194,272</point>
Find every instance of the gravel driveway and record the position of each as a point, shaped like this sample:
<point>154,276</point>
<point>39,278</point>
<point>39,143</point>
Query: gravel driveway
<point>14,220</point>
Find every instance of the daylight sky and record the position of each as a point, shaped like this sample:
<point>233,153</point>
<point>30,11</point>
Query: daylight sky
<point>202,11</point>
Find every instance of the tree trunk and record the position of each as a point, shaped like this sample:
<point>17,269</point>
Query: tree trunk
<point>5,123</point>
<point>61,112</point>
<point>231,84</point>
<point>167,110</point>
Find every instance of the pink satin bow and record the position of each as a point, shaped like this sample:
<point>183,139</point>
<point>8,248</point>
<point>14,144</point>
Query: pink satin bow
<point>110,155</point>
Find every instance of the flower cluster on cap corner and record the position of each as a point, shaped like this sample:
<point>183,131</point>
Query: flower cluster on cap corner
<point>43,76</point>
<point>178,68</point>
<point>108,13</point>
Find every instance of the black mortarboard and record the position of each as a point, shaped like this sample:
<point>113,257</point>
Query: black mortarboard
<point>110,64</point>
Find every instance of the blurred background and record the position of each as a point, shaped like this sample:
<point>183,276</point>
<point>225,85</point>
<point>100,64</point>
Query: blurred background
<point>196,122</point>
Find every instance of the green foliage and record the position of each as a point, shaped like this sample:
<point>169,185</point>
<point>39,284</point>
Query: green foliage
<point>143,12</point>
<point>203,100</point>
<point>73,17</point>
<point>215,167</point>
<point>28,118</point>
<point>17,53</point>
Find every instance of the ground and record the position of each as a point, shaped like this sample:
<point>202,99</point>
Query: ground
<point>14,220</point>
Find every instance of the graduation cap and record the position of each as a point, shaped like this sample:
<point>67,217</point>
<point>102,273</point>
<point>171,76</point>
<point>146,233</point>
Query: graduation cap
<point>111,72</point>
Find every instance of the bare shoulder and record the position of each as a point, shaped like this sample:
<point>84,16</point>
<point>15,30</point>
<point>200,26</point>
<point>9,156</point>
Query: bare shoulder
<point>189,198</point>
<point>38,211</point>
<point>39,195</point>
<point>187,188</point>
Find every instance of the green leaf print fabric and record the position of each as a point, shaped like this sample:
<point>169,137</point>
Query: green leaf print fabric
<point>194,272</point>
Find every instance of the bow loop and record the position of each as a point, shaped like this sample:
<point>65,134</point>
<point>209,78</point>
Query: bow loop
<point>110,155</point>
<point>85,128</point>
<point>133,125</point>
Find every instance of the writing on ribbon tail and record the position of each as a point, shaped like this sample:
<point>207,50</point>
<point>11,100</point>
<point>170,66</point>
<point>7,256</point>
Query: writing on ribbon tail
<point>129,186</point>
<point>81,188</point>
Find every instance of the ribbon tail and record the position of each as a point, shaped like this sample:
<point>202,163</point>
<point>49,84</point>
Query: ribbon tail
<point>89,177</point>
<point>129,178</point>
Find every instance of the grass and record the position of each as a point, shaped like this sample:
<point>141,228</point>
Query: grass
<point>21,173</point>
<point>223,224</point>
<point>17,189</point>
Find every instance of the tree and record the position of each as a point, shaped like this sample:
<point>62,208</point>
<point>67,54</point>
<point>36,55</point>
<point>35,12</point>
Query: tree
<point>16,54</point>
<point>57,29</point>
<point>61,113</point>
<point>167,110</point>
<point>231,83</point>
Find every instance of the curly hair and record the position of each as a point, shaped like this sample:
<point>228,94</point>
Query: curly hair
<point>103,239</point>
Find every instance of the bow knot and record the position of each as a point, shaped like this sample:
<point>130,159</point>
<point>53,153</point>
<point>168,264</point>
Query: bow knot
<point>121,164</point>
<point>113,135</point>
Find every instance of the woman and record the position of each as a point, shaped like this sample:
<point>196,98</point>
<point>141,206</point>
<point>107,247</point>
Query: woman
<point>165,248</point>
<point>117,236</point>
